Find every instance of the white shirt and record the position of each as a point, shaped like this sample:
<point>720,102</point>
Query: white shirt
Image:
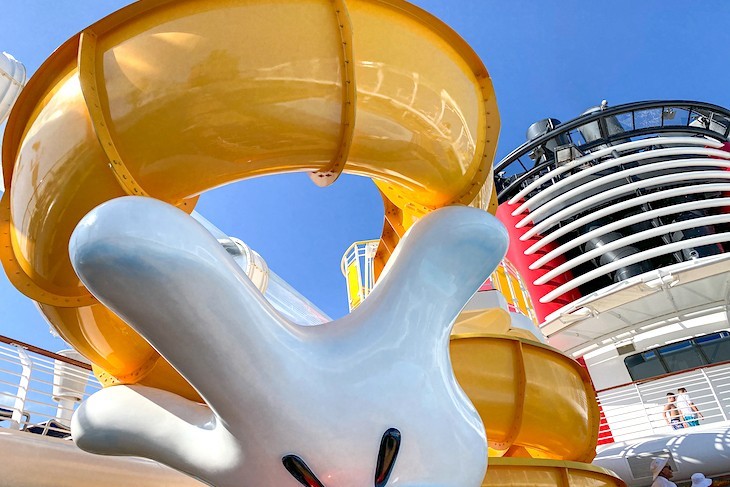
<point>683,404</point>
<point>662,482</point>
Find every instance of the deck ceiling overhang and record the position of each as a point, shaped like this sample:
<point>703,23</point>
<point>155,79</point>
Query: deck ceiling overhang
<point>637,305</point>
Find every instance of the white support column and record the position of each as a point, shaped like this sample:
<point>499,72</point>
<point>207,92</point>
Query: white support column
<point>23,385</point>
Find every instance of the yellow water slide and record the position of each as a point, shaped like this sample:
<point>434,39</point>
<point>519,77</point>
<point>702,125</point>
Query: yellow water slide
<point>538,405</point>
<point>171,98</point>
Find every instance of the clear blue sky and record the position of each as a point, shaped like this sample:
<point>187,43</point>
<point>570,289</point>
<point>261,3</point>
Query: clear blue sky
<point>546,59</point>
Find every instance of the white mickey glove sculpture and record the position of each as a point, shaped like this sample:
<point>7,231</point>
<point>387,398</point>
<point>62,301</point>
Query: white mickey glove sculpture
<point>366,400</point>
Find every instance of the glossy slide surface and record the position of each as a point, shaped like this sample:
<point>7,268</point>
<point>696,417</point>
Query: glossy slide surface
<point>171,98</point>
<point>538,405</point>
<point>534,401</point>
<point>547,473</point>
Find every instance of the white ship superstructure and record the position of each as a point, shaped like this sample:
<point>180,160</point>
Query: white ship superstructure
<point>619,227</point>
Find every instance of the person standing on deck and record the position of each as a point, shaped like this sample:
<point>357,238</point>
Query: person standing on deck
<point>671,412</point>
<point>688,409</point>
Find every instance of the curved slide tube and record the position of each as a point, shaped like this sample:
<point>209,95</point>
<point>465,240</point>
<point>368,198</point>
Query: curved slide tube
<point>534,401</point>
<point>172,98</point>
<point>537,404</point>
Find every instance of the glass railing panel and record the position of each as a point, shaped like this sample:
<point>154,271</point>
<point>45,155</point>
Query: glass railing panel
<point>651,117</point>
<point>624,122</point>
<point>576,137</point>
<point>719,123</point>
<point>591,131</point>
<point>676,116</point>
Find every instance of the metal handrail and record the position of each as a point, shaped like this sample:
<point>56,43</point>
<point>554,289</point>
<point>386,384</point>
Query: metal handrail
<point>44,353</point>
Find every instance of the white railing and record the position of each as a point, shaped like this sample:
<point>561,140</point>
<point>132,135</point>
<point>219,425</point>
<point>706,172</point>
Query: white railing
<point>30,402</point>
<point>636,410</point>
<point>39,390</point>
<point>357,265</point>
